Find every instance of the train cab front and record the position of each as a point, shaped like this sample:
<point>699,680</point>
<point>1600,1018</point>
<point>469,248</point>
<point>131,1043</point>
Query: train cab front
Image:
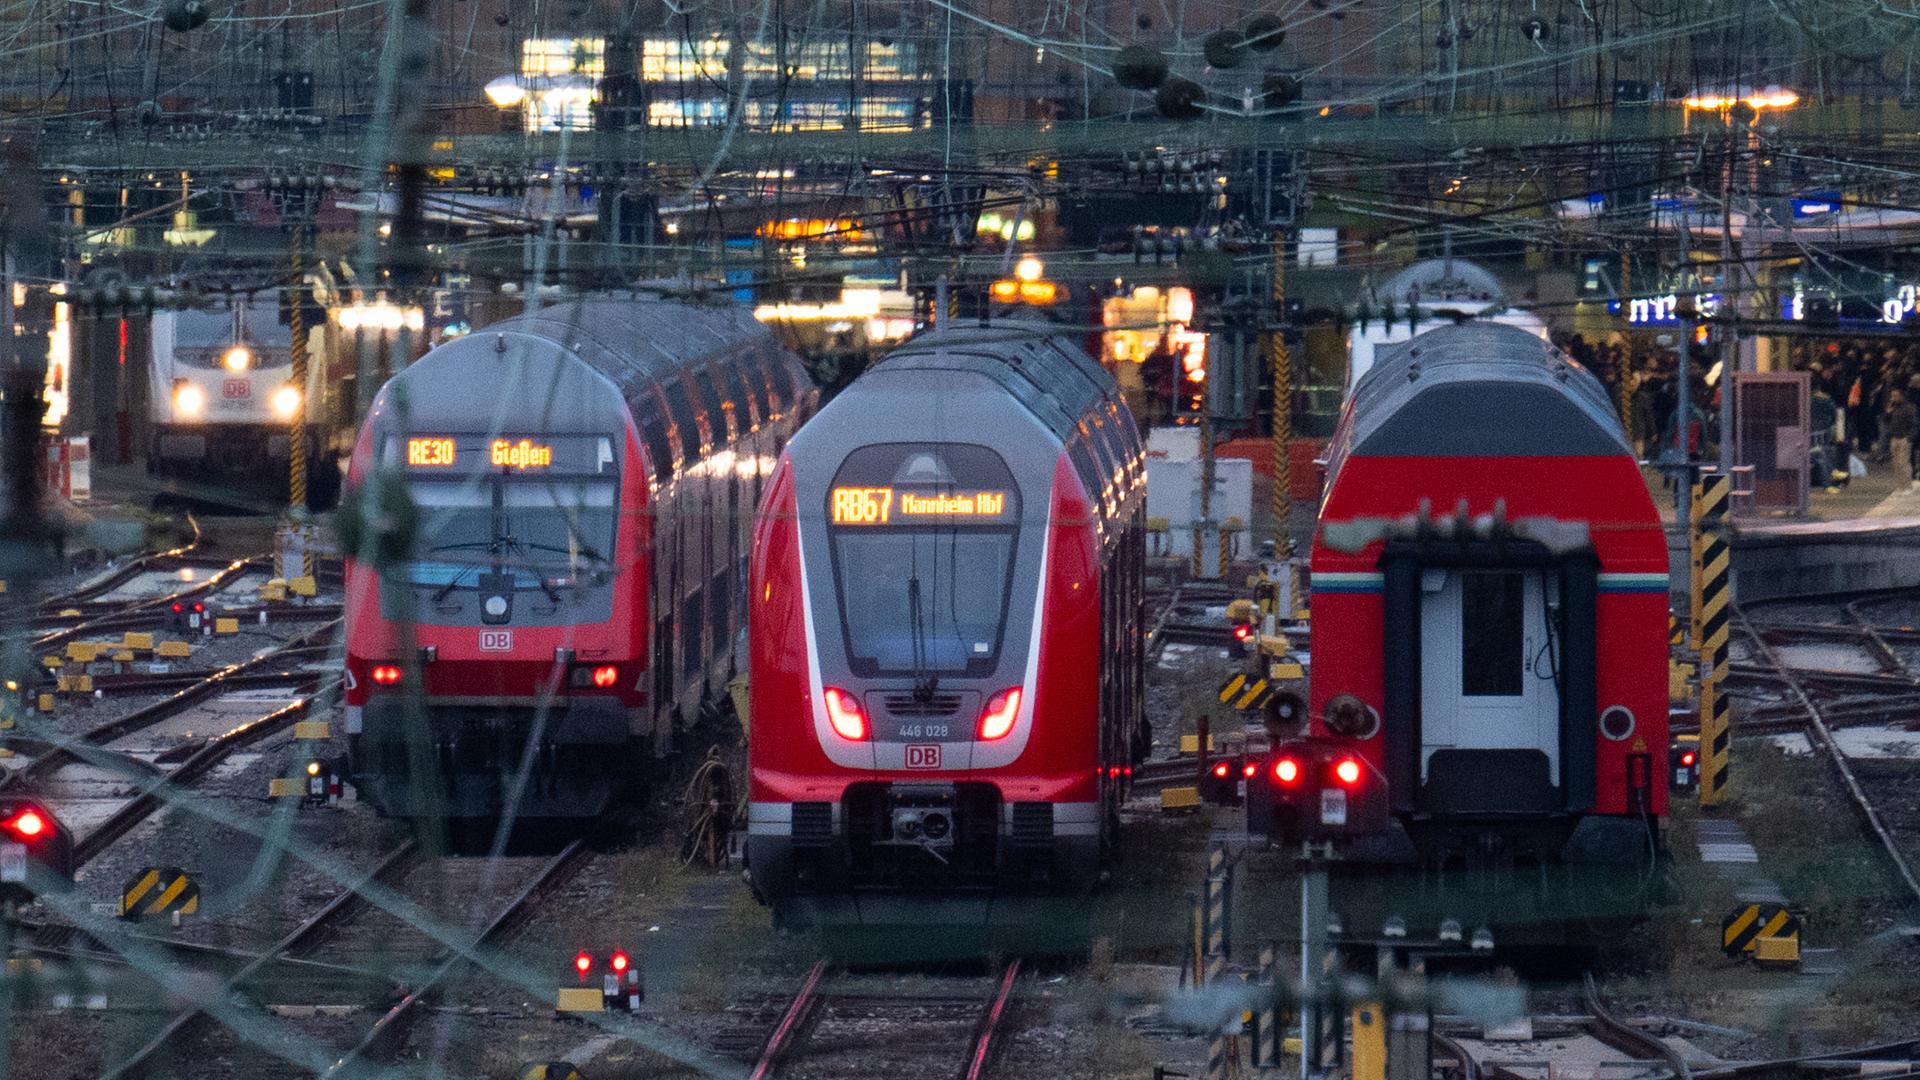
<point>911,732</point>
<point>498,668</point>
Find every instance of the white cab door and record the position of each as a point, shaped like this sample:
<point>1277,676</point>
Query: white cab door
<point>1488,666</point>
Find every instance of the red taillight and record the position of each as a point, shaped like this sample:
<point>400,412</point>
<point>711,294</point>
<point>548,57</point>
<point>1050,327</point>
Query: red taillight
<point>583,963</point>
<point>1686,758</point>
<point>1247,770</point>
<point>605,676</point>
<point>1286,770</point>
<point>198,607</point>
<point>619,962</point>
<point>1243,631</point>
<point>1002,710</point>
<point>849,720</point>
<point>1347,771</point>
<point>178,607</point>
<point>1220,770</point>
<point>385,674</point>
<point>29,824</point>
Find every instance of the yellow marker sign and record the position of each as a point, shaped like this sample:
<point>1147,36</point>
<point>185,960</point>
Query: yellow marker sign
<point>579,999</point>
<point>303,586</point>
<point>159,890</point>
<point>134,639</point>
<point>83,651</point>
<point>226,625</point>
<point>1179,798</point>
<point>173,649</point>
<point>311,729</point>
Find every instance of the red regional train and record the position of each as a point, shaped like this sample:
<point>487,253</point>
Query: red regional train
<point>947,654</point>
<point>1489,578</point>
<point>582,480</point>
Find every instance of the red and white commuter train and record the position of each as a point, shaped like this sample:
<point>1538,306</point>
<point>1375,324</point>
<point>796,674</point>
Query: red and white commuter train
<point>947,654</point>
<point>582,481</point>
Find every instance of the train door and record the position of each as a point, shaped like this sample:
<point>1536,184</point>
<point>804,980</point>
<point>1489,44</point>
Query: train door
<point>1488,665</point>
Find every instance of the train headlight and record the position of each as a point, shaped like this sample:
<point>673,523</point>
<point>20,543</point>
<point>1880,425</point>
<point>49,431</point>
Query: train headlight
<point>849,720</point>
<point>286,402</point>
<point>1002,710</point>
<point>189,400</point>
<point>238,358</point>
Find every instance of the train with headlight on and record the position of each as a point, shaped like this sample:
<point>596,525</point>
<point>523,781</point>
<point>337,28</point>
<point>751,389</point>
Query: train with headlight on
<point>1489,622</point>
<point>223,401</point>
<point>547,543</point>
<point>947,655</point>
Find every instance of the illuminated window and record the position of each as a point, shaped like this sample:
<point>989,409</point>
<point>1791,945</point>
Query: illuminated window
<point>564,56</point>
<point>676,60</point>
<point>887,114</point>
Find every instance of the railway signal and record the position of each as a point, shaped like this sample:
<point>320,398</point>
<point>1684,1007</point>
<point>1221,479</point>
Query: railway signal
<point>1315,791</point>
<point>31,836</point>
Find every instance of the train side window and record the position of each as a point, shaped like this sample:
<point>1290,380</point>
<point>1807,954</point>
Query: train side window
<point>753,372</point>
<point>692,618</point>
<point>719,604</point>
<point>723,431</point>
<point>1083,464</point>
<point>748,415</point>
<point>683,419</point>
<point>1491,627</point>
<point>653,430</point>
<point>770,363</point>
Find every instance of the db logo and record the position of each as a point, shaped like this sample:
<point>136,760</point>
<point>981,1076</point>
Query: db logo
<point>237,388</point>
<point>496,641</point>
<point>923,757</point>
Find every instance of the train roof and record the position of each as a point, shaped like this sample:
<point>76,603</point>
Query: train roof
<point>1032,361</point>
<point>1479,390</point>
<point>672,361</point>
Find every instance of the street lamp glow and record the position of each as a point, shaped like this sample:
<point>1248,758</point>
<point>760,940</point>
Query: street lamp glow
<point>506,92</point>
<point>1029,269</point>
<point>1772,97</point>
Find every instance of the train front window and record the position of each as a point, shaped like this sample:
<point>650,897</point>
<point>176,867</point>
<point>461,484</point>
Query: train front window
<point>923,538</point>
<point>542,529</point>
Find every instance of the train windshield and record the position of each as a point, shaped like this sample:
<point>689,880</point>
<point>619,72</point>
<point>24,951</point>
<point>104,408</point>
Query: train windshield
<point>923,540</point>
<point>543,509</point>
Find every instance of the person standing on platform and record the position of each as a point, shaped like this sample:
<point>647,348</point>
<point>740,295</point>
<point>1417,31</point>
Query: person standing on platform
<point>1901,422</point>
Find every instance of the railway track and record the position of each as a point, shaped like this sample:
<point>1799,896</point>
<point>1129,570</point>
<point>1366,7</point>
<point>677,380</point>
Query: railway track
<point>381,922</point>
<point>823,1032</point>
<point>1887,800</point>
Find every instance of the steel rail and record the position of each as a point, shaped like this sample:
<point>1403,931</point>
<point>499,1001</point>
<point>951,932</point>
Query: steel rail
<point>980,1054</point>
<point>299,938</point>
<point>1469,1068</point>
<point>789,1032</point>
<point>124,573</point>
<point>231,677</point>
<point>151,606</point>
<point>1822,737</point>
<point>389,1032</point>
<point>1617,1033</point>
<point>137,809</point>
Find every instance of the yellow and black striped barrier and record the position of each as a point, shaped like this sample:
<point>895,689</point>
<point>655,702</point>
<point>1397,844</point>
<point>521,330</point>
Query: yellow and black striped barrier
<point>1245,692</point>
<point>1744,930</point>
<point>1712,610</point>
<point>159,890</point>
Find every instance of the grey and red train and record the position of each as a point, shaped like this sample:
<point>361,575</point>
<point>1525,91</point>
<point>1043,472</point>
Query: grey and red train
<point>569,498</point>
<point>1489,579</point>
<point>947,652</point>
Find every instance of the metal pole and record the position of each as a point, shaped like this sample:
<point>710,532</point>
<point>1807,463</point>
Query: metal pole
<point>1313,946</point>
<point>1282,402</point>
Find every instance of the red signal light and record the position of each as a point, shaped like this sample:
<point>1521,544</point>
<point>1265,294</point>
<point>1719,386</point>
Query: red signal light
<point>619,962</point>
<point>1286,770</point>
<point>1243,631</point>
<point>605,676</point>
<point>29,824</point>
<point>385,674</point>
<point>997,718</point>
<point>849,720</point>
<point>1686,758</point>
<point>583,963</point>
<point>198,607</point>
<point>178,607</point>
<point>1247,770</point>
<point>1347,771</point>
<point>1220,770</point>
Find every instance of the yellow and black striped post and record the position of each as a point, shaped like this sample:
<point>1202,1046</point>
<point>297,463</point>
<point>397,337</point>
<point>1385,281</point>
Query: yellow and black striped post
<point>1264,1032</point>
<point>1282,400</point>
<point>1712,597</point>
<point>297,423</point>
<point>1220,1051</point>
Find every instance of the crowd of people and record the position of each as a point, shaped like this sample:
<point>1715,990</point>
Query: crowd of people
<point>1862,411</point>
